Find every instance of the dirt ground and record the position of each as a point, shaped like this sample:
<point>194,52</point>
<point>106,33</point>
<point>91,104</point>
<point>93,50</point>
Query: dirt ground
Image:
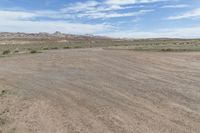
<point>100,91</point>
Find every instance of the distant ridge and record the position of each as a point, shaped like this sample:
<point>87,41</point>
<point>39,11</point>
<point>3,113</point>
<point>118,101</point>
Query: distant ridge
<point>63,36</point>
<point>44,35</point>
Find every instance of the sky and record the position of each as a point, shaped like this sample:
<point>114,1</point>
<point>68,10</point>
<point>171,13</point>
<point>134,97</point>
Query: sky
<point>113,18</point>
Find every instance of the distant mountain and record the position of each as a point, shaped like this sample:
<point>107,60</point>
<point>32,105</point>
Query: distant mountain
<point>44,35</point>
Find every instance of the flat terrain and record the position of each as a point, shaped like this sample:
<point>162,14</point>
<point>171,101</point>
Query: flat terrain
<point>24,45</point>
<point>100,91</point>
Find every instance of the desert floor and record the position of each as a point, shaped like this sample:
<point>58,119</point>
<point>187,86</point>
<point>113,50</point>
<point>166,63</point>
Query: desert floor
<point>100,91</point>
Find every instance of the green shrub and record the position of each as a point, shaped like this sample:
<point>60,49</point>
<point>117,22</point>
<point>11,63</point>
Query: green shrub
<point>45,48</point>
<point>167,50</point>
<point>33,51</point>
<point>67,47</point>
<point>77,46</point>
<point>54,48</point>
<point>3,92</point>
<point>6,52</point>
<point>2,121</point>
<point>16,51</point>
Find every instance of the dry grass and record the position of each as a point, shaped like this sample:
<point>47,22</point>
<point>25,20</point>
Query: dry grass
<point>138,45</point>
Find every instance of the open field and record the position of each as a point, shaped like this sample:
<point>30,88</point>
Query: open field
<point>26,45</point>
<point>161,46</point>
<point>100,91</point>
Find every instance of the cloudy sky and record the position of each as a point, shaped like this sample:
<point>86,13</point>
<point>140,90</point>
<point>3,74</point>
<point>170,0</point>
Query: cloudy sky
<point>115,18</point>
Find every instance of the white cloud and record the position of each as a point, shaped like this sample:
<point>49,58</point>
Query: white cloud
<point>191,14</point>
<point>175,6</point>
<point>52,26</point>
<point>21,21</point>
<point>104,15</point>
<point>189,32</point>
<point>52,14</point>
<point>121,2</point>
<point>80,6</point>
<point>13,15</point>
<point>104,10</point>
<point>130,2</point>
<point>36,21</point>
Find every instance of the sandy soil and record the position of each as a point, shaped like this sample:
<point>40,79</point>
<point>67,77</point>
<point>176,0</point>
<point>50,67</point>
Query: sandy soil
<point>100,91</point>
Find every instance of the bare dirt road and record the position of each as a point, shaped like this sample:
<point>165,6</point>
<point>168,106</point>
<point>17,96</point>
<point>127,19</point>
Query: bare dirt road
<point>100,91</point>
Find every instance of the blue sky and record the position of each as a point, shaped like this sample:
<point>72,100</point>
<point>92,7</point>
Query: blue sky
<point>115,18</point>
